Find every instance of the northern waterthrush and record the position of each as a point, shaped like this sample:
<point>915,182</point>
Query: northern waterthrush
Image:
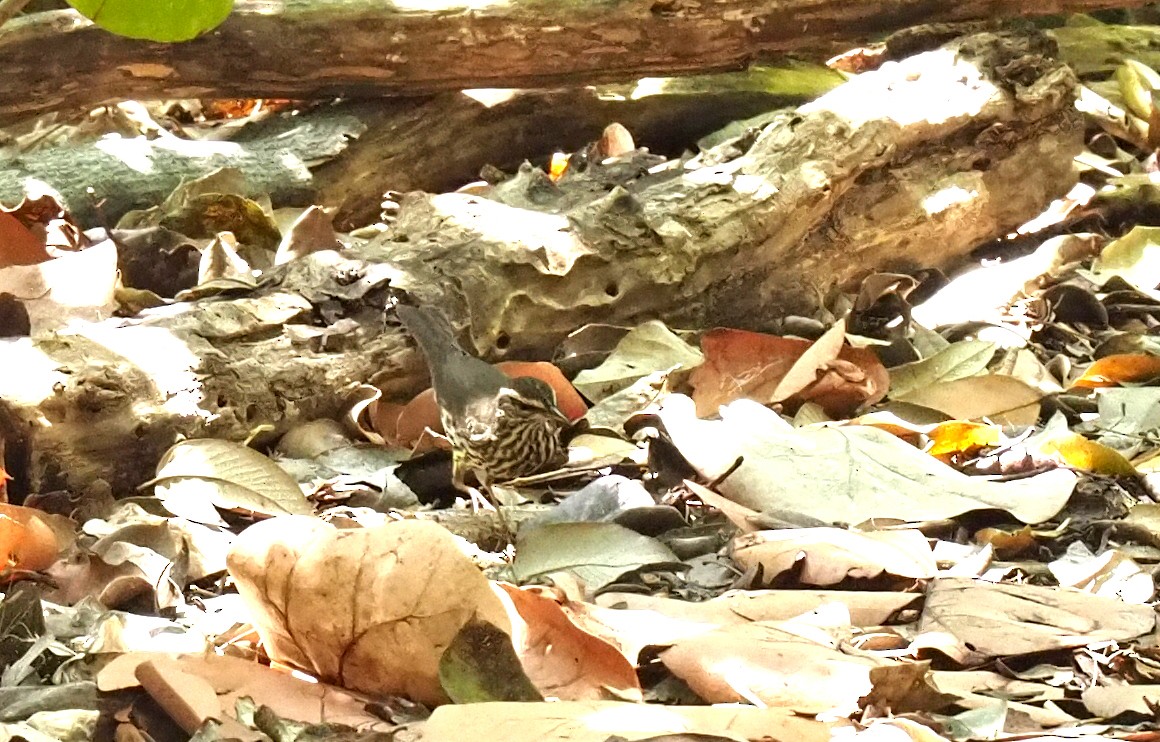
<point>500,427</point>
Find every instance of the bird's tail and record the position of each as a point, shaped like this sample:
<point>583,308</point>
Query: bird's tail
<point>431,330</point>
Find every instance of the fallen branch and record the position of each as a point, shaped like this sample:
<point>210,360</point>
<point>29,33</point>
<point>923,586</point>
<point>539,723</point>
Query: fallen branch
<point>330,48</point>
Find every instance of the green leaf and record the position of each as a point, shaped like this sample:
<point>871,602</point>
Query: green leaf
<point>597,553</point>
<point>480,665</point>
<point>958,361</point>
<point>155,20</point>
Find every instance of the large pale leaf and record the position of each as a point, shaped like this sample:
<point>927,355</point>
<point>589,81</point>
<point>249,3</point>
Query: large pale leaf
<point>1135,257</point>
<point>974,621</point>
<point>231,476</point>
<point>844,475</point>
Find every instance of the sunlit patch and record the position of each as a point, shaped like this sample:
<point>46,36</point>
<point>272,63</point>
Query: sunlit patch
<point>947,198</point>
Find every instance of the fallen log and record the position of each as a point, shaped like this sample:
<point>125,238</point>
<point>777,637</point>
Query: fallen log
<point>346,48</point>
<point>908,166</point>
<point>347,155</point>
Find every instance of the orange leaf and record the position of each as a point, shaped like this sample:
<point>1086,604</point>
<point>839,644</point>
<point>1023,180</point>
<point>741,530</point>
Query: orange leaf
<point>1123,368</point>
<point>558,165</point>
<point>18,244</point>
<point>567,398</point>
<point>26,541</point>
<point>741,364</point>
<point>1007,543</point>
<point>416,417</point>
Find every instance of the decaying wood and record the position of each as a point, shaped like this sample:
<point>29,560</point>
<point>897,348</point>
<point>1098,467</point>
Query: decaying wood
<point>911,165</point>
<point>443,143</point>
<point>905,167</point>
<point>346,156</point>
<point>101,181</point>
<point>328,48</point>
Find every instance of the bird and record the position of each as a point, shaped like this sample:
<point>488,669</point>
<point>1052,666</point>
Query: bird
<point>500,427</point>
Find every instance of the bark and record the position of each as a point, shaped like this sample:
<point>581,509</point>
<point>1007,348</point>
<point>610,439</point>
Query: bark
<point>328,48</point>
<point>346,156</point>
<point>911,165</point>
<point>101,181</point>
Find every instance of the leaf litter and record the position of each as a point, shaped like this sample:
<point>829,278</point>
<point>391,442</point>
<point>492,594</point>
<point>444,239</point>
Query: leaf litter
<point>940,526</point>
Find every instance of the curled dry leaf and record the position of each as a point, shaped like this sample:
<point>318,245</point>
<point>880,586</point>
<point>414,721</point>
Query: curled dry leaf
<point>371,610</point>
<point>1118,370</point>
<point>565,661</point>
<point>828,556</point>
<point>230,475</point>
<point>647,349</point>
<point>741,364</point>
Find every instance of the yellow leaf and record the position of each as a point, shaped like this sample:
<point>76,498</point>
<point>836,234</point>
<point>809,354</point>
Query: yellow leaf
<point>1079,453</point>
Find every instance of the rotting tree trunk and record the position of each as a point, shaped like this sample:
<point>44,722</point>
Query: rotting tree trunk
<point>345,156</point>
<point>837,189</point>
<point>329,48</point>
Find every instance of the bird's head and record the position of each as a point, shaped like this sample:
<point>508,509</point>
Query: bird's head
<point>534,391</point>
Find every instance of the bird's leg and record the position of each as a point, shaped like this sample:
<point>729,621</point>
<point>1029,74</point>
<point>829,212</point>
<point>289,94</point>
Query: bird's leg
<point>493,503</point>
<point>458,480</point>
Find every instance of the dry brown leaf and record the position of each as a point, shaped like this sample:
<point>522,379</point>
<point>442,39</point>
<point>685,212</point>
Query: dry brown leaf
<point>741,364</point>
<point>739,515</point>
<point>18,244</point>
<point>312,231</point>
<point>843,474</point>
<point>77,285</point>
<point>371,610</point>
<point>233,678</point>
<point>905,686</point>
<point>742,606</point>
<point>826,556</point>
<point>187,698</point>
<point>1002,399</point>
<point>973,621</point>
<point>633,630</point>
<point>763,664</point>
<point>1113,700</point>
<point>1111,573</point>
<point>594,721</point>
